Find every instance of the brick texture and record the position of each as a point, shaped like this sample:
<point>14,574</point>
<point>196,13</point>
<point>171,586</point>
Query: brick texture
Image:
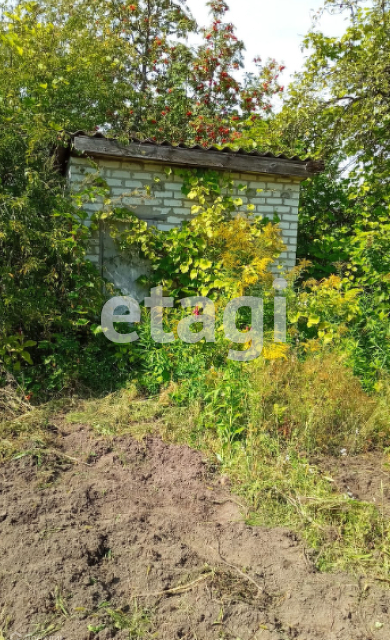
<point>165,206</point>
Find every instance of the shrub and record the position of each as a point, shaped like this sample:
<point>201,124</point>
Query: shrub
<point>315,405</point>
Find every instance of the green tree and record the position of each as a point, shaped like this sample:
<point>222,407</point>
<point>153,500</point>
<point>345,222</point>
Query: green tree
<point>224,106</point>
<point>340,103</point>
<point>338,108</point>
<point>129,69</point>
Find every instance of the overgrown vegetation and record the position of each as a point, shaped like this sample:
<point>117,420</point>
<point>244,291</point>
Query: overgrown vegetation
<point>323,393</point>
<point>227,252</point>
<point>338,109</point>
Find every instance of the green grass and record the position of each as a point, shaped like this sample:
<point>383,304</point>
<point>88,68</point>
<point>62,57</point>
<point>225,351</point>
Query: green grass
<point>134,620</point>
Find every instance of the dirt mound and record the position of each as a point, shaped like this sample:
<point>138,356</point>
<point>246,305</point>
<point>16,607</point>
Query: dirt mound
<point>141,540</point>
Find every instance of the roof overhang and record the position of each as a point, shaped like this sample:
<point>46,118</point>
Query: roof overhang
<point>98,146</point>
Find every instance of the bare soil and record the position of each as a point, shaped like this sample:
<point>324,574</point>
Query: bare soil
<point>365,477</point>
<point>121,524</point>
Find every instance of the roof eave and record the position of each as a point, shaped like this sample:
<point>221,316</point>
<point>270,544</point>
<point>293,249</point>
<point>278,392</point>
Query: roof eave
<point>101,147</point>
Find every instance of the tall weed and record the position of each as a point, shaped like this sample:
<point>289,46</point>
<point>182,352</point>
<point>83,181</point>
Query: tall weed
<point>317,405</point>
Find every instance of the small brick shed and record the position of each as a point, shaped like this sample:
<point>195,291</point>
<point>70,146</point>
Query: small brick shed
<point>129,169</point>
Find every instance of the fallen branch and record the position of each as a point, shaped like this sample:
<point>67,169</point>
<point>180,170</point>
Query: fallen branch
<point>63,455</point>
<point>183,588</point>
<point>382,579</point>
<point>226,500</point>
<point>241,573</point>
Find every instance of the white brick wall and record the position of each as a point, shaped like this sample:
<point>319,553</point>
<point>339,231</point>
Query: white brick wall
<point>166,206</point>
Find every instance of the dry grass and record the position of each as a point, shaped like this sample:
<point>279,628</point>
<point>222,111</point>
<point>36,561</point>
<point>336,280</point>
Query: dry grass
<point>12,401</point>
<point>318,405</point>
<point>29,431</point>
<point>119,413</point>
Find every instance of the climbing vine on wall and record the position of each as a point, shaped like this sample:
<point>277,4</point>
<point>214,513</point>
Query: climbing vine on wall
<point>222,251</point>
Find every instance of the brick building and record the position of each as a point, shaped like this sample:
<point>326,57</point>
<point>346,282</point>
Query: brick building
<point>130,169</point>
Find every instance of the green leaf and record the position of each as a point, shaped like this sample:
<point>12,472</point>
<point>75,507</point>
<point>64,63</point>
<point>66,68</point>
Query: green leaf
<point>26,356</point>
<point>313,320</point>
